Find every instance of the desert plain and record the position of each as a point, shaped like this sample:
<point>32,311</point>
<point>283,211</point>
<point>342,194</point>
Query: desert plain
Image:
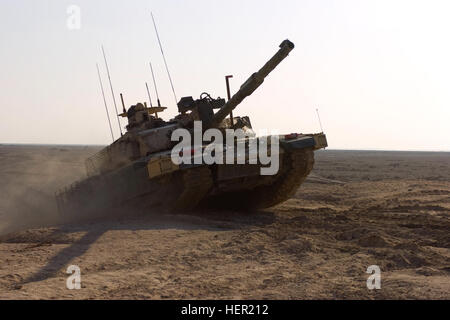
<point>356,209</point>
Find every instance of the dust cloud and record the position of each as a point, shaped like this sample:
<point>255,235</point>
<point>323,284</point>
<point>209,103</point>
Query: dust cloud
<point>30,176</point>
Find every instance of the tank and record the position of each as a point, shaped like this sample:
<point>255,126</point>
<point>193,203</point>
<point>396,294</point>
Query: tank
<point>150,170</point>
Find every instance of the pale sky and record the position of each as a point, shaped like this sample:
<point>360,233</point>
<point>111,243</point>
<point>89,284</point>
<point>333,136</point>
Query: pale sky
<point>379,71</point>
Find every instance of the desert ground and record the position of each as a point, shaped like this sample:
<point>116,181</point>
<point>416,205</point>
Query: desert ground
<point>356,209</point>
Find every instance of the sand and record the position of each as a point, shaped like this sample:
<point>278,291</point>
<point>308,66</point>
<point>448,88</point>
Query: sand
<point>357,208</point>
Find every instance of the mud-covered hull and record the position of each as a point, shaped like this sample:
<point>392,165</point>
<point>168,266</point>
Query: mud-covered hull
<point>157,185</point>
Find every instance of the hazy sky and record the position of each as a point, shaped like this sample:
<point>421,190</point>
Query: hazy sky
<point>378,70</point>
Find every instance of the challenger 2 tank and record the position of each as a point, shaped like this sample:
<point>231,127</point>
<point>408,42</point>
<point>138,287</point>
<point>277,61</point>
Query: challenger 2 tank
<point>149,169</point>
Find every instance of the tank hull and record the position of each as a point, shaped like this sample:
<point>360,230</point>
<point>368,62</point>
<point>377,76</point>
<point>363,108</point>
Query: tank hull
<point>156,185</point>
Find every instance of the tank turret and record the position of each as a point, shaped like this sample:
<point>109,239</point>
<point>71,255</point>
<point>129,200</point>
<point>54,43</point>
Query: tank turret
<point>147,133</point>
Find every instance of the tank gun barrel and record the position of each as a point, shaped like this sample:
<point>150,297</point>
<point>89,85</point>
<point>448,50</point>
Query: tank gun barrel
<point>253,82</point>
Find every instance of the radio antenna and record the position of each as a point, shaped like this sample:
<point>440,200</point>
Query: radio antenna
<point>104,100</point>
<point>164,58</point>
<point>149,97</point>
<point>320,122</point>
<point>154,84</point>
<point>112,91</point>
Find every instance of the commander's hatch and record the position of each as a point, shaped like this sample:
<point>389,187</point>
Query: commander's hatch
<point>150,111</point>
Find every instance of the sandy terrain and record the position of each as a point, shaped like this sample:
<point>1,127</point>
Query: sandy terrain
<point>357,209</point>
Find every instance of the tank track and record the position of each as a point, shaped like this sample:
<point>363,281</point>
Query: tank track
<point>298,165</point>
<point>196,185</point>
<point>295,168</point>
<point>190,188</point>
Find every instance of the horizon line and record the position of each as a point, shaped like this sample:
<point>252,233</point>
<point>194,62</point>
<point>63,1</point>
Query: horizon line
<point>102,145</point>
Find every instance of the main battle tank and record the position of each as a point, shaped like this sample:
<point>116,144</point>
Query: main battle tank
<point>138,170</point>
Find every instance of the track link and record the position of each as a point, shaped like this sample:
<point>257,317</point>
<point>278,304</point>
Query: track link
<point>299,164</point>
